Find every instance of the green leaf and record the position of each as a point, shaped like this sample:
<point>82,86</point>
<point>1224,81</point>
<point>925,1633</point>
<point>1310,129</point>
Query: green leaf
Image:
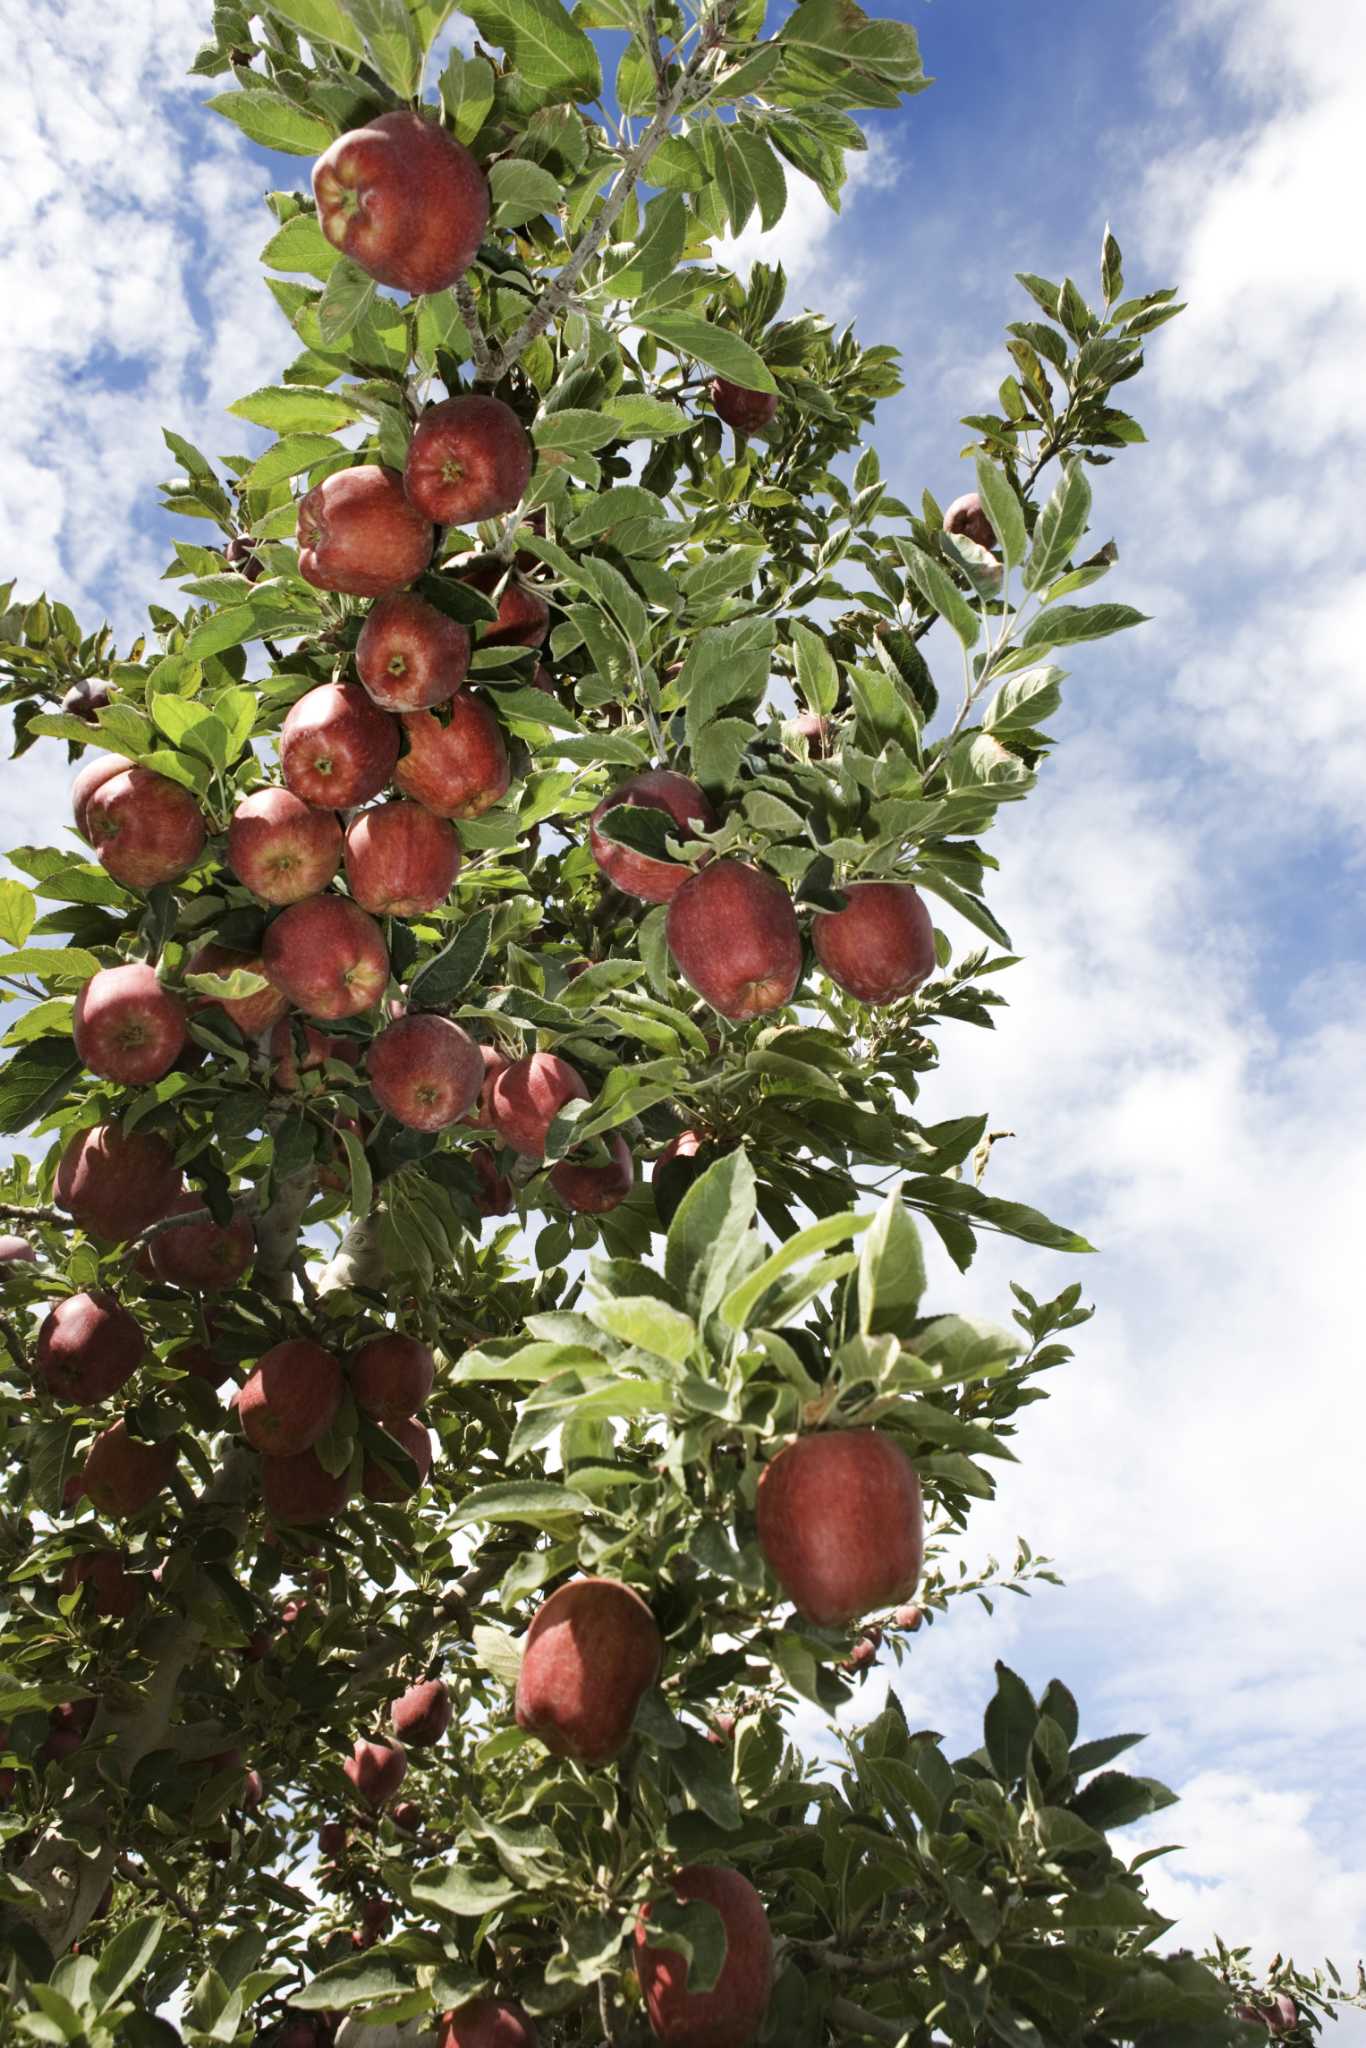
<point>709,1227</point>
<point>290,457</point>
<point>1003,509</point>
<point>389,31</point>
<point>743,1299</point>
<point>703,1770</point>
<point>640,418</point>
<point>51,963</point>
<point>125,1957</point>
<point>573,431</point>
<point>842,32</point>
<point>695,1931</point>
<point>436,985</point>
<point>1024,701</point>
<point>521,190</point>
<point>296,409</point>
<point>467,93</point>
<point>1111,268</point>
<point>817,676</point>
<point>1009,1723</point>
<point>1091,1756</point>
<point>17,911</point>
<point>357,1980</point>
<point>652,1325</point>
<point>1013,1219</point>
<point>362,1182</point>
<point>891,1272</point>
<point>634,267</point>
<point>1060,526</point>
<point>690,335</point>
<point>1064,624</point>
<point>347,297</point>
<point>940,591</point>
<point>322,21</point>
<point>273,121</point>
<point>1113,1800</point>
<point>544,44</point>
<point>534,1502</point>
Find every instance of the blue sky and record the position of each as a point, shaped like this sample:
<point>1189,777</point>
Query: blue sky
<point>1184,1062</point>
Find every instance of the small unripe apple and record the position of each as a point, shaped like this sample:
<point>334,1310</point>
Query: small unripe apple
<point>966,516</point>
<point>745,411</point>
<point>123,1474</point>
<point>527,1097</point>
<point>425,1071</point>
<point>411,656</point>
<point>115,1182</point>
<point>127,1027</point>
<point>252,1014</point>
<point>638,874</point>
<point>841,1523</point>
<point>862,1656</point>
<point>359,534</point>
<point>593,1190</point>
<point>880,947</point>
<point>328,956</point>
<point>456,764</point>
<point>297,1489</point>
<point>732,2012</point>
<point>404,201</point>
<point>487,2023</point>
<point>391,1376</point>
<point>111,1592</point>
<point>401,859</point>
<point>523,615</point>
<point>337,749</point>
<point>734,937</point>
<point>282,848</point>
<point>376,1769</point>
<point>88,1347</point>
<point>589,1657</point>
<point>204,1257</point>
<point>291,1399</point>
<point>421,1716</point>
<point>469,459</point>
<point>145,829</point>
<point>908,1617</point>
<point>379,1482</point>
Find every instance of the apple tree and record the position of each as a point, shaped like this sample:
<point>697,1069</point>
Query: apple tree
<point>474,1407</point>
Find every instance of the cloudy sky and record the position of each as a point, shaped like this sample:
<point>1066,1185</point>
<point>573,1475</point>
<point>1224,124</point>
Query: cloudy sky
<point>1184,1062</point>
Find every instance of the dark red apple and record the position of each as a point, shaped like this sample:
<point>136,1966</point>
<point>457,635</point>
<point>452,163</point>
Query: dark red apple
<point>880,947</point>
<point>638,874</point>
<point>406,1815</point>
<point>686,1145</point>
<point>732,2012</point>
<point>144,828</point>
<point>734,938</point>
<point>291,1399</point>
<point>297,1489</point>
<point>94,773</point>
<point>377,1482</point>
<point>68,1726</point>
<point>421,1716</point>
<point>332,1839</point>
<point>111,1592</point>
<point>391,1376</point>
<point>204,1257</point>
<point>841,1523</point>
<point>495,1063</point>
<point>359,534</point>
<point>86,699</point>
<point>328,956</point>
<point>593,1190</point>
<point>469,459</point>
<point>523,615</point>
<point>493,1195</point>
<point>966,516</point>
<point>404,201</point>
<point>240,554</point>
<point>409,655</point>
<point>282,848</point>
<point>88,1347</point>
<point>527,1097</point>
<point>743,410</point>
<point>401,859</point>
<point>456,765</point>
<point>425,1071</point>
<point>487,2023</point>
<point>114,1183</point>
<point>376,1917</point>
<point>127,1027</point>
<point>589,1657</point>
<point>376,1769</point>
<point>337,749</point>
<point>252,1014</point>
<point>123,1474</point>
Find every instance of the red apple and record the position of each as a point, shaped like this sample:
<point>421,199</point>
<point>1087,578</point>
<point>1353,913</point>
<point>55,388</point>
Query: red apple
<point>252,1014</point>
<point>291,1399</point>
<point>638,874</point>
<point>404,201</point>
<point>17,1251</point>
<point>421,1716</point>
<point>332,1839</point>
<point>469,459</point>
<point>589,1657</point>
<point>731,2014</point>
<point>527,1097</point>
<point>818,733</point>
<point>391,1376</point>
<point>406,1815</point>
<point>745,411</point>
<point>240,554</point>
<point>297,1489</point>
<point>966,516</point>
<point>144,828</point>
<point>376,1769</point>
<point>328,956</point>
<point>204,1257</point>
<point>487,2023</point>
<point>734,938</point>
<point>880,947</point>
<point>495,1063</point>
<point>377,1482</point>
<point>456,765</point>
<point>337,749</point>
<point>88,781</point>
<point>114,1183</point>
<point>493,1195</point>
<point>86,699</point>
<point>593,1190</point>
<point>841,1524</point>
<point>686,1145</point>
<point>359,534</point>
<point>282,848</point>
<point>908,1617</point>
<point>68,1726</point>
<point>123,1474</point>
<point>523,615</point>
<point>409,655</point>
<point>127,1027</point>
<point>375,1919</point>
<point>88,1347</point>
<point>401,859</point>
<point>425,1071</point>
<point>318,1047</point>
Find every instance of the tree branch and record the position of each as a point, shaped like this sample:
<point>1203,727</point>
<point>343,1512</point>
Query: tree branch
<point>481,354</point>
<point>19,1212</point>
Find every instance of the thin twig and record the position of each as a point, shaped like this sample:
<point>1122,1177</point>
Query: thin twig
<point>137,1875</point>
<point>482,356</point>
<point>18,1212</point>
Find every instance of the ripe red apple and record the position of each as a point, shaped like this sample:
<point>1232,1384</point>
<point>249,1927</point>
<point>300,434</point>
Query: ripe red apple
<point>495,1063</point>
<point>111,1592</point>
<point>359,534</point>
<point>376,1769</point>
<point>731,2014</point>
<point>659,789</point>
<point>469,459</point>
<point>291,1399</point>
<point>401,858</point>
<point>204,1257</point>
<point>421,1716</point>
<point>527,1097</point>
<point>409,655</point>
<point>406,1815</point>
<point>841,1524</point>
<point>880,947</point>
<point>328,956</point>
<point>391,1376</point>
<point>487,2023</point>
<point>377,1482</point>
<point>966,516</point>
<point>68,1726</point>
<point>337,749</point>
<point>493,1196</point>
<point>253,1014</point>
<point>114,1183</point>
<point>745,411</point>
<point>589,1657</point>
<point>375,1919</point>
<point>282,848</point>
<point>456,765</point>
<point>734,937</point>
<point>17,1251</point>
<point>88,1347</point>
<point>127,1027</point>
<point>404,200</point>
<point>425,1071</point>
<point>296,1489</point>
<point>686,1145</point>
<point>523,615</point>
<point>593,1190</point>
<point>88,781</point>
<point>144,828</point>
<point>332,1839</point>
<point>123,1474</point>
